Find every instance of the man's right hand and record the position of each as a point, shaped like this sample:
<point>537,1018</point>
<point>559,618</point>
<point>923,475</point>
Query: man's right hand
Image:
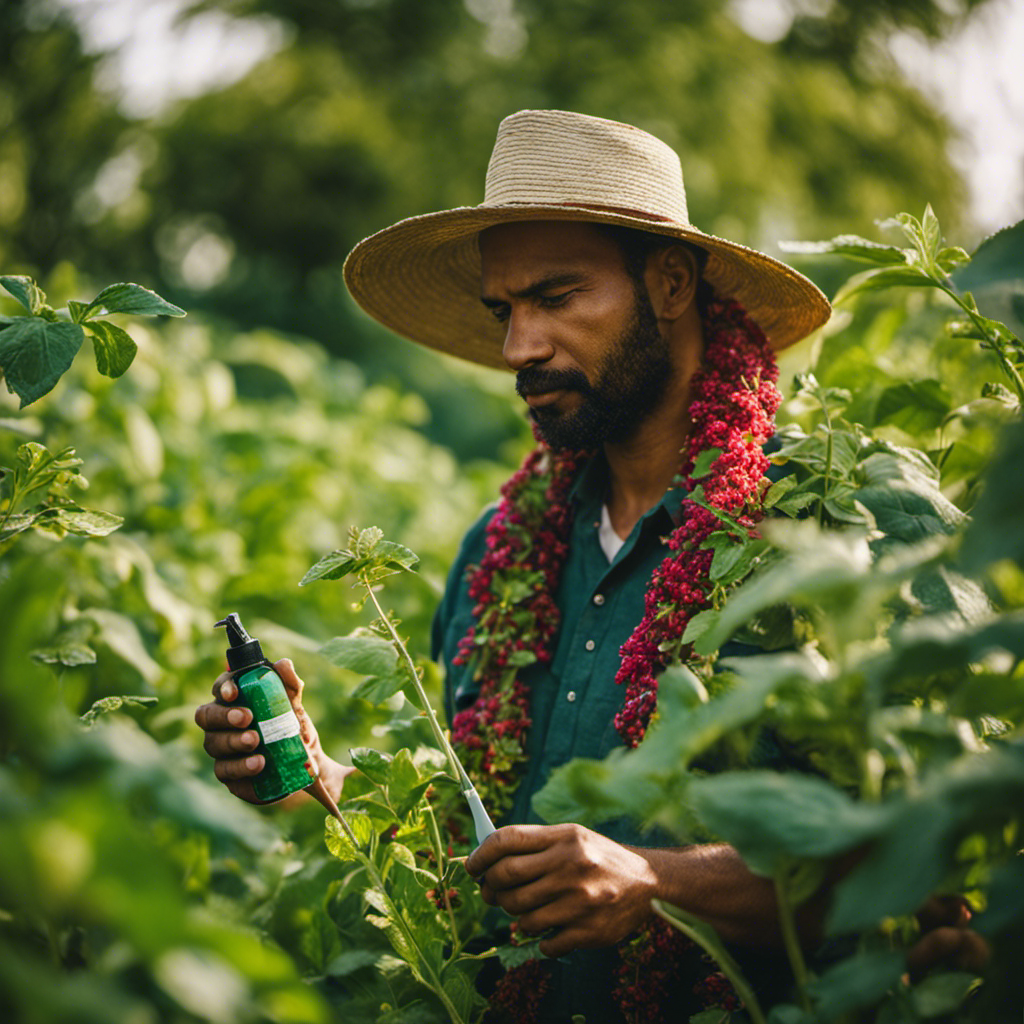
<point>231,741</point>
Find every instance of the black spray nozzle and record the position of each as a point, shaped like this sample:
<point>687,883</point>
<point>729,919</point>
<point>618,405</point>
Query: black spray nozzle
<point>244,650</point>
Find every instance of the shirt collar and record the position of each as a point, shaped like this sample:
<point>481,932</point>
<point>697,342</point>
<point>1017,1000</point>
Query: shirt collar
<point>591,485</point>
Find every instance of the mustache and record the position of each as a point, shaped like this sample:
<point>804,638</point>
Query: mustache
<point>533,380</point>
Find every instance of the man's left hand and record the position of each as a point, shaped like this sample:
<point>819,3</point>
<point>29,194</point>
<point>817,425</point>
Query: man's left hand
<point>589,890</point>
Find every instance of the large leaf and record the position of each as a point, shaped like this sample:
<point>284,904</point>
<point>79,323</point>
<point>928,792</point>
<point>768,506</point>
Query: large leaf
<point>35,353</point>
<point>374,764</point>
<point>371,656</point>
<point>918,845</point>
<point>999,258</point>
<point>771,817</point>
<point>856,982</point>
<point>914,406</point>
<point>997,529</point>
<point>114,347</point>
<point>338,841</point>
<point>132,298</point>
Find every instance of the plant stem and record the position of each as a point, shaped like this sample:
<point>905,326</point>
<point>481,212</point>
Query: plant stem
<point>442,740</point>
<point>828,461</point>
<point>714,948</point>
<point>791,940</point>
<point>435,836</point>
<point>1009,369</point>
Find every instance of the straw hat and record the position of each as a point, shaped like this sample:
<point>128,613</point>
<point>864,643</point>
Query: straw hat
<point>421,276</point>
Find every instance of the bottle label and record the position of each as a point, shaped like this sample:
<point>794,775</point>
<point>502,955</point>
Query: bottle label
<point>279,727</point>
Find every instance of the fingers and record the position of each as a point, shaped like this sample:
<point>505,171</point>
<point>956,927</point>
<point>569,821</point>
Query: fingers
<point>957,948</point>
<point>292,683</point>
<point>217,716</point>
<point>225,689</point>
<point>944,911</point>
<point>231,743</point>
<point>234,769</point>
<point>512,840</point>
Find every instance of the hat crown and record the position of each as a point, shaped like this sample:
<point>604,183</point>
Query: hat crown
<point>560,158</point>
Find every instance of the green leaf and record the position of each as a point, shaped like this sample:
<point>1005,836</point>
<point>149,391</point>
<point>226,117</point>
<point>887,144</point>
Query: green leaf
<point>943,994</point>
<point>731,563</point>
<point>70,647</point>
<point>367,655</point>
<point>338,842</point>
<point>997,527</point>
<point>132,298</point>
<point>35,353</point>
<point>856,982</point>
<point>514,956</point>
<point>374,764</point>
<point>914,406</point>
<point>107,704</point>
<point>849,245</point>
<point>82,522</point>
<point>771,817</point>
<point>703,462</point>
<point>779,490</point>
<point>114,347</point>
<point>78,311</point>
<point>334,566</point>
<point>881,280</point>
<point>999,258</point>
<point>350,961</point>
<point>26,291</point>
<point>18,523</point>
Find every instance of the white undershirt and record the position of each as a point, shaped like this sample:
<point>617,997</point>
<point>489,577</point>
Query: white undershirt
<point>609,540</point>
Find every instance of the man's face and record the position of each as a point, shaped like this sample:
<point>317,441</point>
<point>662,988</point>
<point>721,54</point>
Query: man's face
<point>589,357</point>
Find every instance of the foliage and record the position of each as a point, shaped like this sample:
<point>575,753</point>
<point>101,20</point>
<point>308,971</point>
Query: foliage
<point>244,201</point>
<point>892,674</point>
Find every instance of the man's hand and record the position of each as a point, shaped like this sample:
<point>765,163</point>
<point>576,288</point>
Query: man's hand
<point>593,891</point>
<point>230,741</point>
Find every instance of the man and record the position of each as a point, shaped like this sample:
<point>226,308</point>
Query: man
<point>581,273</point>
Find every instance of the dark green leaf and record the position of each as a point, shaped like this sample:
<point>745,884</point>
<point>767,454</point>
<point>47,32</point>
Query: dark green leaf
<point>942,994</point>
<point>999,258</point>
<point>334,566</point>
<point>395,556</point>
<point>914,406</point>
<point>997,527</point>
<point>107,704</point>
<point>732,563</point>
<point>132,298</point>
<point>35,353</point>
<point>71,646</point>
<point>351,961</point>
<point>856,982</point>
<point>114,348</point>
<point>770,816</point>
<point>25,290</point>
<point>779,490</point>
<point>849,245</point>
<point>374,764</point>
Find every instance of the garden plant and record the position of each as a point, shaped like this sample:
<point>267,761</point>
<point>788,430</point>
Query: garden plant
<point>885,589</point>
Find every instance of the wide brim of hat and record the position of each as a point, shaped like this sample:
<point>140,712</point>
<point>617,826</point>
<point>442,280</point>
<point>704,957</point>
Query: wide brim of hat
<point>421,278</point>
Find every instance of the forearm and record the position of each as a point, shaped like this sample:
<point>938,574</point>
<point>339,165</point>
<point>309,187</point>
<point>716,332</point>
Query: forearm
<point>711,882</point>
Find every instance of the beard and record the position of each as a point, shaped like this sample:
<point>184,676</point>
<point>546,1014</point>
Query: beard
<point>630,382</point>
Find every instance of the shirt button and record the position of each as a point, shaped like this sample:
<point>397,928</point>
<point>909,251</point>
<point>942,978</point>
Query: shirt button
<point>570,696</point>
<point>599,599</point>
<point>590,645</point>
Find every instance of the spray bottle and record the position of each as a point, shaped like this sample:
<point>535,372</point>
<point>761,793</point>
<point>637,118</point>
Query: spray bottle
<point>288,766</point>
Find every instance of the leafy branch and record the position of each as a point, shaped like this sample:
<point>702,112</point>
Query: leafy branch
<point>36,350</point>
<point>925,262</point>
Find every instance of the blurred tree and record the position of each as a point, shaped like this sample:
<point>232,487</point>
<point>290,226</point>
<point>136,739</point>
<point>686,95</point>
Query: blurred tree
<point>244,201</point>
